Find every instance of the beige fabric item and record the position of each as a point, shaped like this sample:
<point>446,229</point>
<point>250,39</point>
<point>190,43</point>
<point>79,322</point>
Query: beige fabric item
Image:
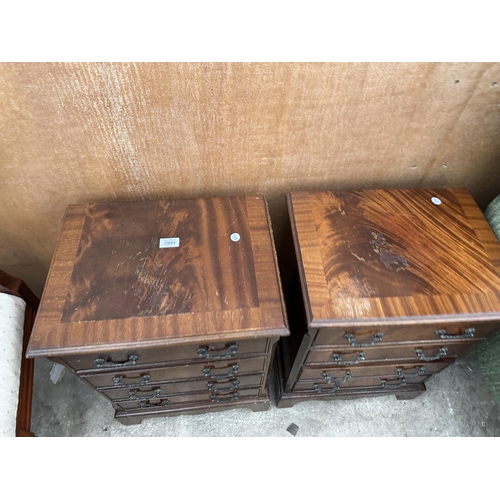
<point>11,346</point>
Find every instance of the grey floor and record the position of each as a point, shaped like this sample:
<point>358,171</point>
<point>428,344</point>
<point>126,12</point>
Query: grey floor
<point>457,403</point>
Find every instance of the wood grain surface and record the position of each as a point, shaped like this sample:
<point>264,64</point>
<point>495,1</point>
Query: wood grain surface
<point>394,255</point>
<point>76,133</point>
<point>121,271</point>
<point>111,285</point>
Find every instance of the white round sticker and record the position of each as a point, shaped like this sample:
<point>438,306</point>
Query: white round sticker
<point>235,237</point>
<point>436,201</point>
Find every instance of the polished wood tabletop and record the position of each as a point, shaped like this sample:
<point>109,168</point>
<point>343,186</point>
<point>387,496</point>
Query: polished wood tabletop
<point>158,273</point>
<point>394,255</point>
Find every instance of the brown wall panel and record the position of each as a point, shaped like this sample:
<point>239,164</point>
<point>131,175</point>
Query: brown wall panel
<point>85,132</point>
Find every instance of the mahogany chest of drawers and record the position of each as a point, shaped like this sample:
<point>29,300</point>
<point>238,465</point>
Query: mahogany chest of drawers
<point>384,288</point>
<point>165,307</point>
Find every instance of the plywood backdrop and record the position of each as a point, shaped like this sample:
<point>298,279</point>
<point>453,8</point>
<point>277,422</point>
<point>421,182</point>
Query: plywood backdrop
<point>87,132</point>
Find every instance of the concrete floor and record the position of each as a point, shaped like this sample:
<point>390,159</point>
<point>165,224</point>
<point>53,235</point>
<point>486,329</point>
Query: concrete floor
<point>457,403</point>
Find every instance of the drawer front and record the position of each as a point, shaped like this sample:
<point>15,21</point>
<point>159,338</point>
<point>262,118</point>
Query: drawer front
<point>137,357</point>
<point>180,399</point>
<point>141,392</point>
<point>210,370</point>
<point>327,386</point>
<point>408,370</point>
<point>377,336</point>
<point>412,352</point>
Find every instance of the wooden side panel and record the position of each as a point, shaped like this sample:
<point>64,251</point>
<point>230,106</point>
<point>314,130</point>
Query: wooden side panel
<point>90,132</point>
<point>23,418</point>
<point>310,262</point>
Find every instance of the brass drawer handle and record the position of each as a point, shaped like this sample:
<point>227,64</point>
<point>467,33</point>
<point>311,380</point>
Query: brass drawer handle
<point>360,357</point>
<point>231,373</point>
<point>385,385</point>
<point>468,333</point>
<point>204,352</point>
<point>421,371</point>
<point>133,395</point>
<point>163,402</point>
<point>132,360</point>
<point>402,375</point>
<point>377,337</point>
<point>329,380</point>
<point>234,397</point>
<point>443,351</point>
<point>217,390</point>
<point>144,381</point>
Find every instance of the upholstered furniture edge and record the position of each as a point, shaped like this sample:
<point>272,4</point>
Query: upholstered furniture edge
<point>15,286</point>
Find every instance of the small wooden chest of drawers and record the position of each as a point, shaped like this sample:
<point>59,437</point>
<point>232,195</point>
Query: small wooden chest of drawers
<point>165,307</point>
<point>384,288</point>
